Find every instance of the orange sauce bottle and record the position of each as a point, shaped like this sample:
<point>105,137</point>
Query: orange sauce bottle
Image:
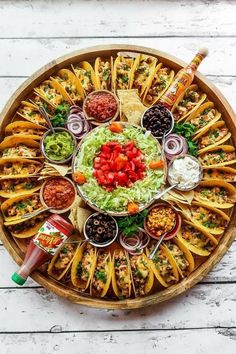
<point>182,80</point>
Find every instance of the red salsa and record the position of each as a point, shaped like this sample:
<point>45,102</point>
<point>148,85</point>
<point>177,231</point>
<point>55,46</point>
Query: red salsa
<point>101,106</point>
<point>58,193</point>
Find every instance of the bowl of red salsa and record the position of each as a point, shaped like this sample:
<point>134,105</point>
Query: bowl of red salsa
<point>58,194</point>
<point>101,106</point>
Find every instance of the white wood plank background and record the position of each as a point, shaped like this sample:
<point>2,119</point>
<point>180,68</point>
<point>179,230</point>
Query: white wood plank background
<point>202,320</point>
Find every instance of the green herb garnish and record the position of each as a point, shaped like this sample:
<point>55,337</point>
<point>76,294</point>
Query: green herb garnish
<point>61,114</point>
<point>130,224</point>
<point>187,130</point>
<point>101,275</point>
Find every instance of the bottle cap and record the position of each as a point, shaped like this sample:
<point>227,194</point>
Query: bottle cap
<point>18,279</point>
<point>203,52</point>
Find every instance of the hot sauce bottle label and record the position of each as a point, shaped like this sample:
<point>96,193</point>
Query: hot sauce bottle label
<point>49,238</point>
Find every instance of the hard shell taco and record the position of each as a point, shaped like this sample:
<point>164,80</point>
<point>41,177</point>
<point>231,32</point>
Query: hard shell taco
<point>53,93</point>
<point>14,187</point>
<point>142,72</point>
<point>103,68</point>
<point>86,76</point>
<point>25,129</point>
<point>121,273</point>
<point>216,135</point>
<point>17,167</point>
<point>228,174</point>
<point>30,112</point>
<point>164,266</point>
<point>188,102</point>
<point>16,207</point>
<point>19,147</point>
<point>158,84</point>
<point>204,117</point>
<point>26,228</point>
<point>207,217</point>
<point>142,274</point>
<point>182,256</point>
<point>62,259</point>
<point>218,156</point>
<point>71,84</point>
<point>196,239</point>
<point>216,193</point>
<point>83,266</point>
<point>102,275</point>
<point>121,72</point>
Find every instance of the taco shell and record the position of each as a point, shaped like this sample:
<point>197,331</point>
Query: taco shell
<point>83,265</point>
<point>18,167</point>
<point>121,72</point>
<point>212,132</point>
<point>102,275</point>
<point>218,156</point>
<point>71,84</point>
<point>25,129</point>
<point>56,92</point>
<point>121,273</point>
<point>177,104</point>
<point>140,79</point>
<point>196,244</point>
<point>141,269</point>
<point>28,227</point>
<point>228,189</point>
<point>30,112</point>
<point>19,147</point>
<point>181,255</point>
<point>193,117</point>
<point>163,83</point>
<point>14,187</point>
<point>21,205</point>
<point>86,75</point>
<point>228,174</point>
<point>62,259</point>
<point>103,68</point>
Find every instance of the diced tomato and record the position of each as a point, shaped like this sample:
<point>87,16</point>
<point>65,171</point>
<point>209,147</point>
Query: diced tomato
<point>118,165</point>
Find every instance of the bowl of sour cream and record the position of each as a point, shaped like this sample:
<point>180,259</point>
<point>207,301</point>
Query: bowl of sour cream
<point>185,172</point>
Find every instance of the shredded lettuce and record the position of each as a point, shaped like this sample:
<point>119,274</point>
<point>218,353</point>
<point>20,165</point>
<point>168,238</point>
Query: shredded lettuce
<point>141,192</point>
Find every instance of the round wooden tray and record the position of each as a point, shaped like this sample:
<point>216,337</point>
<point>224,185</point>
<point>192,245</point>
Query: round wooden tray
<point>226,240</point>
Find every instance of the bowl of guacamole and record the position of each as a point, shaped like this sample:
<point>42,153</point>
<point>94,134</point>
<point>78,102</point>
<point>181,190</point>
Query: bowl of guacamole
<point>58,147</point>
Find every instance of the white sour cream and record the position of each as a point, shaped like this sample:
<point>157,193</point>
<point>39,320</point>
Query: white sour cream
<point>185,172</point>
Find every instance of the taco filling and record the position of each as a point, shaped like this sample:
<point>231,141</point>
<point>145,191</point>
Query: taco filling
<point>13,186</point>
<point>220,173</point>
<point>20,151</point>
<point>190,100</point>
<point>49,92</point>
<point>64,258</point>
<point>122,275</point>
<point>104,74</point>
<point>26,225</point>
<point>69,86</point>
<point>208,218</point>
<point>159,84</point>
<point>140,273</point>
<point>18,167</point>
<point>84,75</point>
<point>217,157</point>
<point>214,194</point>
<point>179,257</point>
<point>203,118</point>
<point>84,266</point>
<point>196,238</point>
<point>143,72</point>
<point>163,266</point>
<point>212,137</point>
<point>24,130</point>
<point>123,68</point>
<point>101,273</point>
<point>32,114</point>
<point>26,205</point>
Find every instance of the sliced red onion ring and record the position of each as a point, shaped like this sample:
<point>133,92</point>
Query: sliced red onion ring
<point>77,123</point>
<point>175,145</point>
<point>136,243</point>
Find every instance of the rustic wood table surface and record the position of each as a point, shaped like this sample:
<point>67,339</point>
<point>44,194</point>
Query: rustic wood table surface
<point>203,320</point>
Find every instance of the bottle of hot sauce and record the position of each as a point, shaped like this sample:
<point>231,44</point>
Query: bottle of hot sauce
<point>182,80</point>
<point>43,246</point>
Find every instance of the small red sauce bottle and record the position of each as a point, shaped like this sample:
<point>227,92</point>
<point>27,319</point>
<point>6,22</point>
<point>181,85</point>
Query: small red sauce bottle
<point>43,246</point>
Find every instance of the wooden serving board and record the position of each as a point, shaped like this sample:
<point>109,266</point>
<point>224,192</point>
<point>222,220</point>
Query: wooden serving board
<point>221,104</point>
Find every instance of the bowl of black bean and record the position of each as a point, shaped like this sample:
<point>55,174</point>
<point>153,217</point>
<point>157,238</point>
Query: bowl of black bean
<point>159,120</point>
<point>100,229</point>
